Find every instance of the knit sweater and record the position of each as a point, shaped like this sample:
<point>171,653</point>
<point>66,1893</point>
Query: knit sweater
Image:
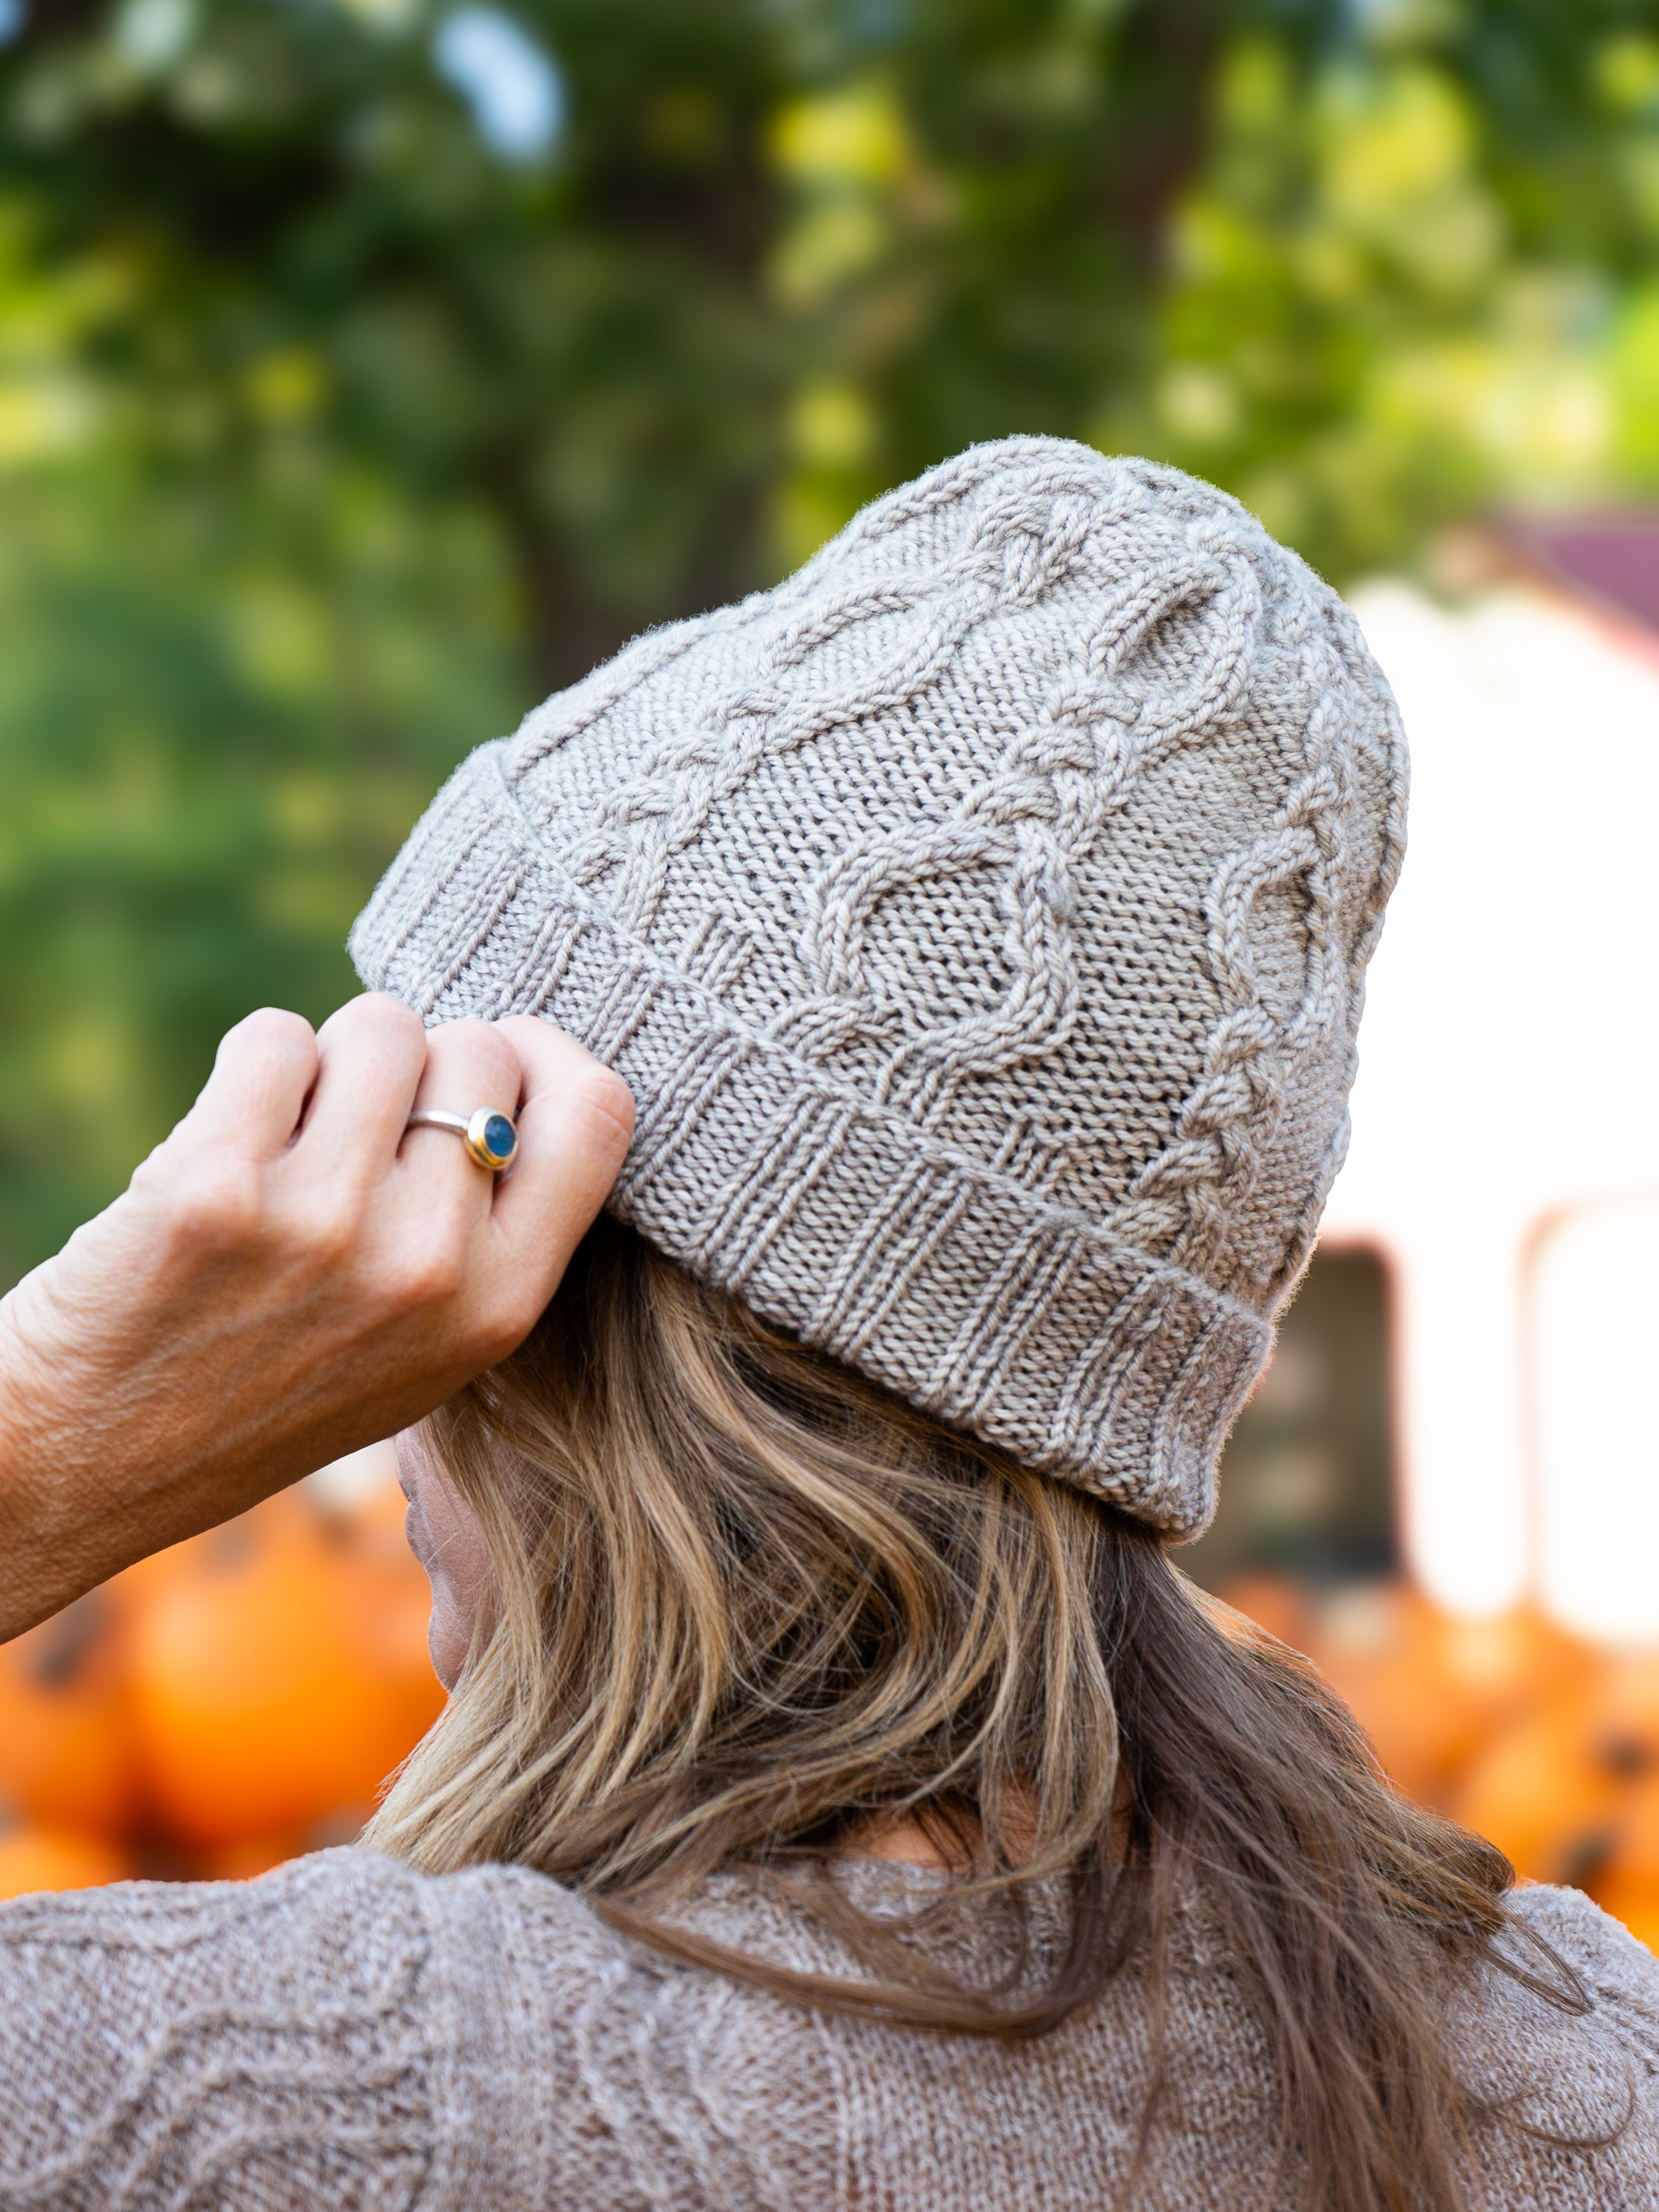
<point>344,2033</point>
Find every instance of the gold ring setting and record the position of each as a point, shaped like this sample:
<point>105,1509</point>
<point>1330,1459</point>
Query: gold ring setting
<point>488,1136</point>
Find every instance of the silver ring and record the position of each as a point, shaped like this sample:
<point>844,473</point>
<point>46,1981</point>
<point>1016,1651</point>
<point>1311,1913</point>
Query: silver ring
<point>489,1135</point>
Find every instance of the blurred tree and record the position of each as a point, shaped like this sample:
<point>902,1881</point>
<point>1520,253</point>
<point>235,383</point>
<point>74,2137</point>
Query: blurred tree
<point>367,367</point>
<point>1418,273</point>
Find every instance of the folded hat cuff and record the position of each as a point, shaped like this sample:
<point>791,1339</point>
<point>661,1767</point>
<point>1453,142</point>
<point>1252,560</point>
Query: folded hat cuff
<point>829,1215</point>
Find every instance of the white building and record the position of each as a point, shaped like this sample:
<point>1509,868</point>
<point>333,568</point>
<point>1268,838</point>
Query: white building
<point>1505,1158</point>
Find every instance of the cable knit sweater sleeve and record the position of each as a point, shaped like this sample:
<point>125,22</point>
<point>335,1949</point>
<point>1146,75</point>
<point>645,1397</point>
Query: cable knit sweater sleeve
<point>344,2036</point>
<point>261,2045</point>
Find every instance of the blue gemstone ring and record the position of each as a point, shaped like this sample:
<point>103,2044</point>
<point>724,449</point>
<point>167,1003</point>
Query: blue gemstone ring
<point>488,1136</point>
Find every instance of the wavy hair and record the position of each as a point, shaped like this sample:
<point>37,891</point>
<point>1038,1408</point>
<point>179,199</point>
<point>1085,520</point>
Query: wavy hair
<point>748,1607</point>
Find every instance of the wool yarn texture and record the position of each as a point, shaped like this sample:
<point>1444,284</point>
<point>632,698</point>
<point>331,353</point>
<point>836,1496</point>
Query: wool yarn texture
<point>979,919</point>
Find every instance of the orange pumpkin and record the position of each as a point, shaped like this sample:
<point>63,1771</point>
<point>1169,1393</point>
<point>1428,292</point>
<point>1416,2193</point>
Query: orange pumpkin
<point>1634,1902</point>
<point>1431,1692</point>
<point>37,1857</point>
<point>1600,1802</point>
<point>1501,1668</point>
<point>280,1675</point>
<point>148,1580</point>
<point>1546,1793</point>
<point>253,1856</point>
<point>1633,1854</point>
<point>1626,1883</point>
<point>1377,1648</point>
<point>1623,1715</point>
<point>65,1748</point>
<point>1274,1602</point>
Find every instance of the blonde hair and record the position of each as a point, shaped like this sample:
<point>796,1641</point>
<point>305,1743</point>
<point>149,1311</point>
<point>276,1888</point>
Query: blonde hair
<point>746,1604</point>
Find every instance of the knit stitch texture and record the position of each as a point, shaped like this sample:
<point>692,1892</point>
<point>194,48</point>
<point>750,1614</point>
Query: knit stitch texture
<point>979,919</point>
<point>345,2036</point>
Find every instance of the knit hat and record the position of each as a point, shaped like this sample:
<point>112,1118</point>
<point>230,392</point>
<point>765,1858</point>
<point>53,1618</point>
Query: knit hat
<point>979,919</point>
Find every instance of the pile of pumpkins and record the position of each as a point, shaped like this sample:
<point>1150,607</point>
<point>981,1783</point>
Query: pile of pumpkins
<point>242,1698</point>
<point>221,1707</point>
<point>1546,1746</point>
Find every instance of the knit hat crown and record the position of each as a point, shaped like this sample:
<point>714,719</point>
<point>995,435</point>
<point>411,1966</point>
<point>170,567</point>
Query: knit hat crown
<point>979,919</point>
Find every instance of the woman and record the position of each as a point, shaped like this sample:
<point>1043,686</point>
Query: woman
<point>842,1800</point>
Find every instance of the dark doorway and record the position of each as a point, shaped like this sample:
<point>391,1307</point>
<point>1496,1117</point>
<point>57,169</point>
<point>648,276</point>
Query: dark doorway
<point>1307,1480</point>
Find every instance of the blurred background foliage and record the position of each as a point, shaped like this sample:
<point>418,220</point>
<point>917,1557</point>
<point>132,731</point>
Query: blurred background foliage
<point>369,368</point>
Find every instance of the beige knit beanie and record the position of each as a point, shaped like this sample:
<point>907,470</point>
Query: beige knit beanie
<point>979,918</point>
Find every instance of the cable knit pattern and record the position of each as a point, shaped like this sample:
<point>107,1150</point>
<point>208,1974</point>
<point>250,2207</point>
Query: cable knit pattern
<point>257,2045</point>
<point>979,918</point>
<point>343,2033</point>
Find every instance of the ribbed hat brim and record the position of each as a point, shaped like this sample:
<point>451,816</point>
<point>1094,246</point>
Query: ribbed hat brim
<point>1023,1322</point>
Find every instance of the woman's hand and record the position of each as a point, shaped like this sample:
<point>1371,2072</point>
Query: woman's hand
<point>289,1276</point>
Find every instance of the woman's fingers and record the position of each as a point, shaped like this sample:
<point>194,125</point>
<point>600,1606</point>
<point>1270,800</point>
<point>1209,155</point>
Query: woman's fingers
<point>500,1244</point>
<point>390,1238</point>
<point>574,1128</point>
<point>468,1065</point>
<point>370,1055</point>
<point>262,1076</point>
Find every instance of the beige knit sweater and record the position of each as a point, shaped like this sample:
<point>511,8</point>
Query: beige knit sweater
<point>344,2034</point>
